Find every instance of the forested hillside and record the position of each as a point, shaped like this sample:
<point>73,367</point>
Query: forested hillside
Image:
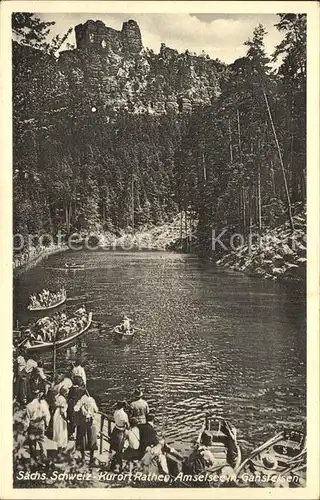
<point>235,159</point>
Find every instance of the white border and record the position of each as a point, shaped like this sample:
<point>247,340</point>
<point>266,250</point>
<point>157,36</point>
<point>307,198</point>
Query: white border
<point>313,69</point>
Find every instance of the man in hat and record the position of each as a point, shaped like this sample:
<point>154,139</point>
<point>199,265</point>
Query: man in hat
<point>36,382</point>
<point>38,418</point>
<point>139,407</point>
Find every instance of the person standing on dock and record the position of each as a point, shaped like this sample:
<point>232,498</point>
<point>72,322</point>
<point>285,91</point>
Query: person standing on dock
<point>38,418</point>
<point>78,371</point>
<point>60,427</point>
<point>86,438</point>
<point>22,388</point>
<point>65,382</point>
<point>36,383</point>
<point>139,407</point>
<point>117,437</point>
<point>19,365</point>
<point>148,434</point>
<point>76,392</point>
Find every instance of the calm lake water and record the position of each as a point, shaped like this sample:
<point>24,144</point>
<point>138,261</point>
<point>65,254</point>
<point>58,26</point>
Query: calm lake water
<point>209,339</point>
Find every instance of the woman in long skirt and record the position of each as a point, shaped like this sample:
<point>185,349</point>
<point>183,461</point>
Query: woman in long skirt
<point>60,425</point>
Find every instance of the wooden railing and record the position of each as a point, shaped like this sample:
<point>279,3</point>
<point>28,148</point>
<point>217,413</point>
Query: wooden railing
<point>103,435</point>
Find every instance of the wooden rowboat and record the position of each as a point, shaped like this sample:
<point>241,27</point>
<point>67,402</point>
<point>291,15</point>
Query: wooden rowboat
<point>52,306</point>
<point>126,336</point>
<point>225,450</point>
<point>279,462</point>
<point>224,447</point>
<point>48,346</point>
<point>74,266</point>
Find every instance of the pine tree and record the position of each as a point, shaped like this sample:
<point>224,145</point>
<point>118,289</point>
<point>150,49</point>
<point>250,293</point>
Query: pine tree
<point>30,30</point>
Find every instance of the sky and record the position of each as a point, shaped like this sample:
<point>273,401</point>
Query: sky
<point>219,35</point>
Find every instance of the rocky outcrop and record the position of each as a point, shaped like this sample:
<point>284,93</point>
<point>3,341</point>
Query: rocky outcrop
<point>131,37</point>
<point>279,255</point>
<point>96,36</point>
<point>111,69</point>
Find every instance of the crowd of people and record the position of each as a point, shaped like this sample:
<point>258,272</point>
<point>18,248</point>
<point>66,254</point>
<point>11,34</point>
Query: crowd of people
<point>134,440</point>
<point>56,327</point>
<point>45,298</point>
<point>65,412</point>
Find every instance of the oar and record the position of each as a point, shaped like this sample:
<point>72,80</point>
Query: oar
<point>22,342</point>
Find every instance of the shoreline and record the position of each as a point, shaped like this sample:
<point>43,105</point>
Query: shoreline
<point>279,256</point>
<point>36,259</point>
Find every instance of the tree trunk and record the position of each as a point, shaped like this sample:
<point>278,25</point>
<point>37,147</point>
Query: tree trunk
<point>132,202</point>
<point>186,227</point>
<point>67,218</point>
<point>204,170</point>
<point>250,212</point>
<point>239,136</point>
<point>230,143</point>
<point>259,200</point>
<point>273,179</point>
<point>281,162</point>
<point>244,211</point>
<point>70,208</point>
<point>54,360</point>
<point>240,209</point>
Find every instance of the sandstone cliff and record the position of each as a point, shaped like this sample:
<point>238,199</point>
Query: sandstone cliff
<point>111,69</point>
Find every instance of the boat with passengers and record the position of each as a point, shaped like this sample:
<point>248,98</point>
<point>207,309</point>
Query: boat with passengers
<point>36,343</point>
<point>47,300</point>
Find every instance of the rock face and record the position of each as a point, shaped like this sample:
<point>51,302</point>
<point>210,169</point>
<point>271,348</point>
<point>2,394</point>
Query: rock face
<point>111,69</point>
<point>94,35</point>
<point>280,255</point>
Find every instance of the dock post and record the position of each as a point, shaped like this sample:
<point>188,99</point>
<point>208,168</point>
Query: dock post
<point>109,428</point>
<point>54,360</point>
<point>101,432</point>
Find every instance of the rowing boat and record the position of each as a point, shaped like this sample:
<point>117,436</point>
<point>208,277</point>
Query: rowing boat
<point>224,448</point>
<point>74,266</point>
<point>279,462</point>
<point>52,306</point>
<point>48,346</point>
<point>125,336</point>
